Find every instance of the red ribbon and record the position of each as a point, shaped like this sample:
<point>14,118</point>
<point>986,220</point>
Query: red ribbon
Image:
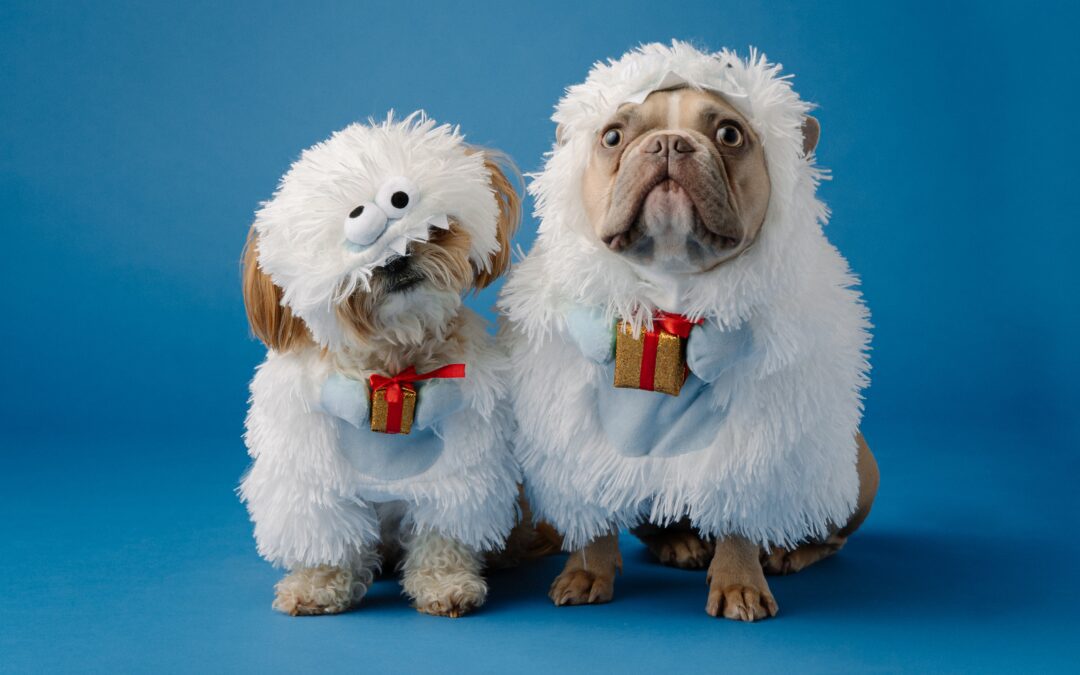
<point>676,324</point>
<point>392,385</point>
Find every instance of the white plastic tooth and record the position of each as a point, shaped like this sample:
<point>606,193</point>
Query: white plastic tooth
<point>399,245</point>
<point>441,221</point>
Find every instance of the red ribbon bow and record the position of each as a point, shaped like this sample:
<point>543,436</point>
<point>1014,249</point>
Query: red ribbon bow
<point>392,385</point>
<point>676,324</point>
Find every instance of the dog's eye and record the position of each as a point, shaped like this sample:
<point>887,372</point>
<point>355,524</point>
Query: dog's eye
<point>729,135</point>
<point>364,224</point>
<point>397,196</point>
<point>611,138</point>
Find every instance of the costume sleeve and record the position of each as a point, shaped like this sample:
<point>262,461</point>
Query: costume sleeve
<point>712,350</point>
<point>436,400</point>
<point>345,398</point>
<point>592,333</point>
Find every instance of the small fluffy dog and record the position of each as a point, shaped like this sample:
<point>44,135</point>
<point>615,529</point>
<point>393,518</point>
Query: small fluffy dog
<point>683,183</point>
<point>353,278</point>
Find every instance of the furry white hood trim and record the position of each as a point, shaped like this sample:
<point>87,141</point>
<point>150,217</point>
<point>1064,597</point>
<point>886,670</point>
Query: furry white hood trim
<point>330,223</point>
<point>782,467</point>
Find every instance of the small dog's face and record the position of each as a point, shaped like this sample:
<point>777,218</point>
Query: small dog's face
<point>677,183</point>
<point>379,230</point>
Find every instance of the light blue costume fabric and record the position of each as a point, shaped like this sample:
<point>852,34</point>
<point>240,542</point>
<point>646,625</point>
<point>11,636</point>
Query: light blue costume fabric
<point>642,423</point>
<point>390,456</point>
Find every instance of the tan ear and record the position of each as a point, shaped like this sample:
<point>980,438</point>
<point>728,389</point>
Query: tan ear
<point>498,165</point>
<point>811,133</point>
<point>271,322</point>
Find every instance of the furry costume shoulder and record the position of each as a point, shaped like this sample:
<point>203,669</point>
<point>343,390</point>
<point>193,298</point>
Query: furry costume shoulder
<point>781,464</point>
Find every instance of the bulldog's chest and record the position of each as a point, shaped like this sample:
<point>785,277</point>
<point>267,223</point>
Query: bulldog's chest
<point>639,423</point>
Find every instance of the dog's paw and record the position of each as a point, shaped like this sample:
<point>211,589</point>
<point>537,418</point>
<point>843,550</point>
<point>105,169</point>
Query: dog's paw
<point>790,561</point>
<point>582,587</point>
<point>452,598</point>
<point>741,602</point>
<point>318,590</point>
<point>680,548</point>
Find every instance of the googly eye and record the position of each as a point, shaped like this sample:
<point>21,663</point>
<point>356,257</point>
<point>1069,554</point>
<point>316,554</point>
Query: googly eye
<point>729,135</point>
<point>364,224</point>
<point>611,138</point>
<point>397,196</point>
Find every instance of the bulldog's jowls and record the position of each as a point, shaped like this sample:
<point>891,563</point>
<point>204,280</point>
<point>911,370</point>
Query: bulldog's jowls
<point>684,183</point>
<point>353,277</point>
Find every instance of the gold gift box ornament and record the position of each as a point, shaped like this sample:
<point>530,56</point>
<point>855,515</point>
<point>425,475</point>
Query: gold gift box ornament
<point>655,360</point>
<point>393,399</point>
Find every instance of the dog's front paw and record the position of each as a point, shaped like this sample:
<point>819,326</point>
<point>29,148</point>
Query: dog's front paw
<point>451,597</point>
<point>318,590</point>
<point>740,602</point>
<point>582,587</point>
<point>442,576</point>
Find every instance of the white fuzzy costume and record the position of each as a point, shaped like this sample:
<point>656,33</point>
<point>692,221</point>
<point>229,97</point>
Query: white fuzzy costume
<point>317,478</point>
<point>782,465</point>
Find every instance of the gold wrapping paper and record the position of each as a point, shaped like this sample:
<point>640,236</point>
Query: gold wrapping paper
<point>380,410</point>
<point>669,371</point>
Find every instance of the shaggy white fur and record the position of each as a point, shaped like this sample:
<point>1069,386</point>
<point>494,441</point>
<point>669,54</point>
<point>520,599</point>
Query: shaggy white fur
<point>315,512</point>
<point>302,229</point>
<point>312,507</point>
<point>782,467</point>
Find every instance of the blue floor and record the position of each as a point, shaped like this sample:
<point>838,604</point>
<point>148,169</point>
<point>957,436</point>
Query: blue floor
<point>968,563</point>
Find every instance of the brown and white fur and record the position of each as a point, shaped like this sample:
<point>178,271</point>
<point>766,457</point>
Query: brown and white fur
<point>325,307</point>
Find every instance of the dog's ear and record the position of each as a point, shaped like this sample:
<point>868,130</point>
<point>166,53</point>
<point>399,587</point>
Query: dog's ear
<point>811,133</point>
<point>498,165</point>
<point>272,323</point>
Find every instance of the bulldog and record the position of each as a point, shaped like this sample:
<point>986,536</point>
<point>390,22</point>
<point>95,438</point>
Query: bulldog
<point>681,195</point>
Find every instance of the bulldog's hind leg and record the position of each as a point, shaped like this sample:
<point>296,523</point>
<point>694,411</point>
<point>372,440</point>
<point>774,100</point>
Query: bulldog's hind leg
<point>589,575</point>
<point>788,561</point>
<point>678,544</point>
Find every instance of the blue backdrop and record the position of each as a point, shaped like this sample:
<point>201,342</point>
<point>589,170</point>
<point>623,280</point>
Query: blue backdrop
<point>136,141</point>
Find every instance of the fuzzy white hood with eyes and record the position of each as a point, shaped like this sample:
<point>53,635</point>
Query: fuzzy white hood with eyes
<point>302,240</point>
<point>783,465</point>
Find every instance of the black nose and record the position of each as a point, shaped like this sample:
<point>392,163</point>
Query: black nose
<point>663,144</point>
<point>396,265</point>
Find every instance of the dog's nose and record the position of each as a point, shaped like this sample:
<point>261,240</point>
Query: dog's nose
<point>396,265</point>
<point>663,145</point>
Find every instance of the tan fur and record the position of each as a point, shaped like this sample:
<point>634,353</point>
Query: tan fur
<point>728,187</point>
<point>530,539</point>
<point>443,259</point>
<point>509,214</point>
<point>678,545</point>
<point>737,587</point>
<point>442,576</point>
<point>784,561</point>
<point>311,591</point>
<point>271,322</point>
<point>589,574</point>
